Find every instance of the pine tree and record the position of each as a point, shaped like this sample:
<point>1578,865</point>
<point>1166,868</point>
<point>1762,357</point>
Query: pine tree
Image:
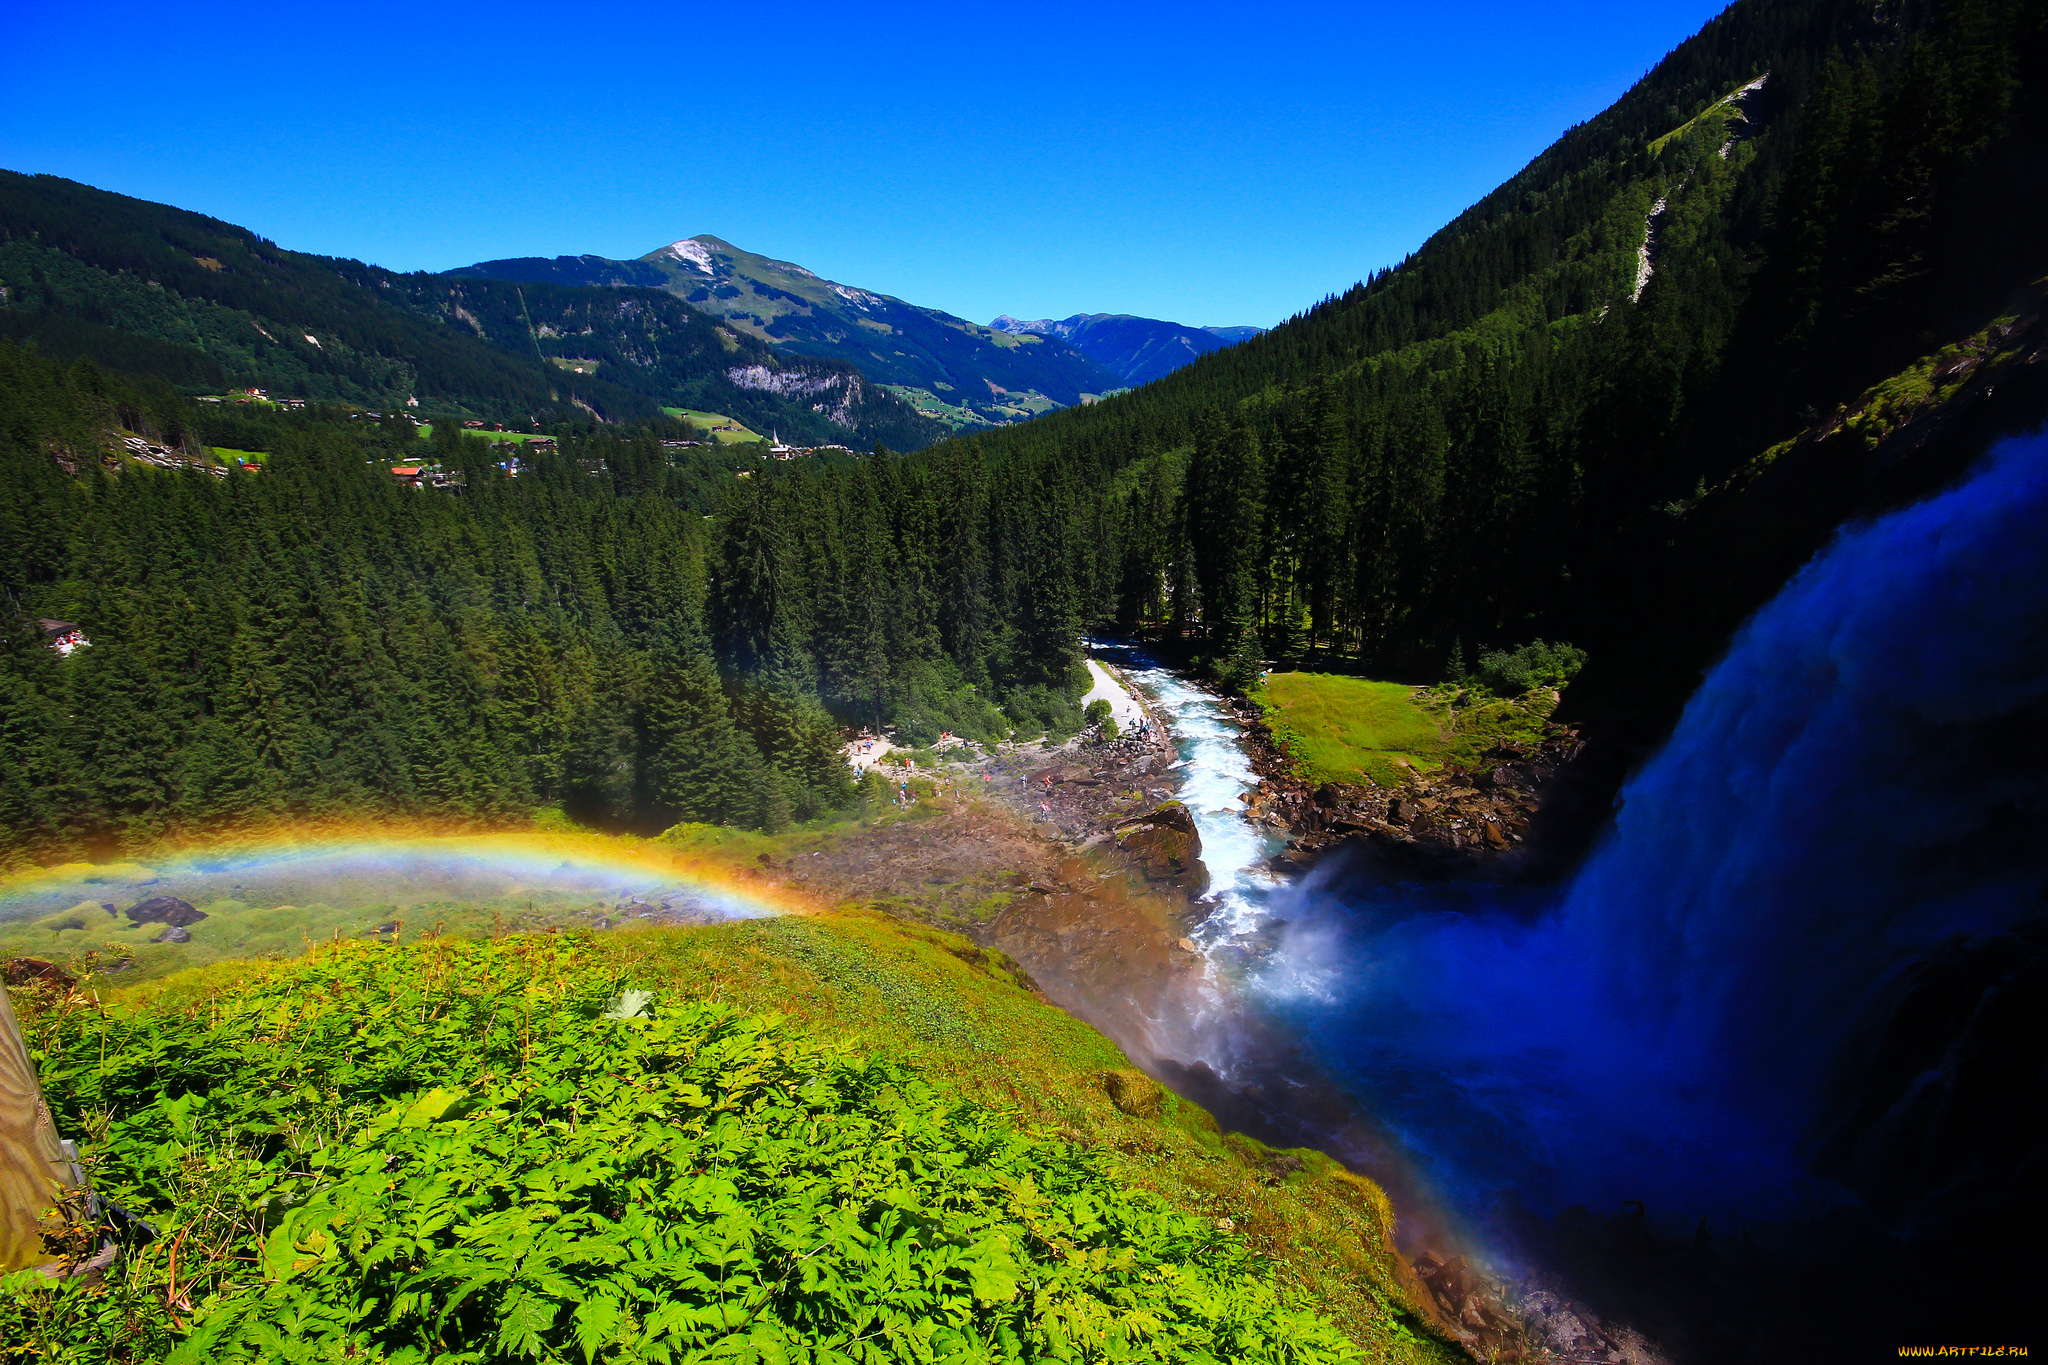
<point>700,767</point>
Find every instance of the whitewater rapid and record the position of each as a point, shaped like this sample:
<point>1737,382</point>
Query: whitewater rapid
<point>1216,775</point>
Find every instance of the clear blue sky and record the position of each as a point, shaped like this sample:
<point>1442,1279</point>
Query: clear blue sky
<point>1200,162</point>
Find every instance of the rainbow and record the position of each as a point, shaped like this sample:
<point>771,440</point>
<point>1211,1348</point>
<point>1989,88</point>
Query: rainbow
<point>340,865</point>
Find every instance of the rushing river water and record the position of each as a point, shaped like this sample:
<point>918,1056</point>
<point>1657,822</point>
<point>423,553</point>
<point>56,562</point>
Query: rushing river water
<point>1216,774</point>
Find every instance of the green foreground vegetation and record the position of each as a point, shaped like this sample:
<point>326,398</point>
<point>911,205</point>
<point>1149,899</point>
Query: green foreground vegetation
<point>838,1138</point>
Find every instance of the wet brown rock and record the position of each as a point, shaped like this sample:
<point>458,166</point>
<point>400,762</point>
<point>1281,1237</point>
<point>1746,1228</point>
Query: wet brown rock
<point>1165,842</point>
<point>21,971</point>
<point>165,910</point>
<point>1469,1303</point>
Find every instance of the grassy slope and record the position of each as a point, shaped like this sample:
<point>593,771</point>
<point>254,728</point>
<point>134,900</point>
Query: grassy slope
<point>237,931</point>
<point>522,437</point>
<point>1344,729</point>
<point>708,420</point>
<point>957,1013</point>
<point>960,1016</point>
<point>59,915</point>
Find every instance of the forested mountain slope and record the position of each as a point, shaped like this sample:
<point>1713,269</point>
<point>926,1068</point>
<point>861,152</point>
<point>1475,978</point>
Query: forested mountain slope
<point>1559,418</point>
<point>1505,435</point>
<point>146,288</point>
<point>975,375</point>
<point>635,639</point>
<point>1138,350</point>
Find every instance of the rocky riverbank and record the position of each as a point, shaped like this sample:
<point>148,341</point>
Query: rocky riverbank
<point>1457,818</point>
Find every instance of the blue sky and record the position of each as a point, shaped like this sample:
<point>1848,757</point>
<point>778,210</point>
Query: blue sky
<point>1200,162</point>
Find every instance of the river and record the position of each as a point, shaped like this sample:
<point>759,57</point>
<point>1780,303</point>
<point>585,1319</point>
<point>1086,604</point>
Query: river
<point>1215,775</point>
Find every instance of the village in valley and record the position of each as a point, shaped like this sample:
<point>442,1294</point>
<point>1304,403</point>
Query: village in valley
<point>510,450</point>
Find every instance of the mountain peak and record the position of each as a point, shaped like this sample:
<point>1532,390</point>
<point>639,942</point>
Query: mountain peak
<point>691,252</point>
<point>699,254</point>
<point>942,365</point>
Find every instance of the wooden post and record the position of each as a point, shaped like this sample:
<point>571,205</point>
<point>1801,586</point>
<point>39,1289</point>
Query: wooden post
<point>34,1168</point>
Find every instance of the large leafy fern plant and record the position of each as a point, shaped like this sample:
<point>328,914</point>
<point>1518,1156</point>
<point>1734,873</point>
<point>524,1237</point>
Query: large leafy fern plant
<point>469,1152</point>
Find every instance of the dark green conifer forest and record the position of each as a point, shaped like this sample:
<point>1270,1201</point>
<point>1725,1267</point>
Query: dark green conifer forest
<point>1509,434</point>
<point>636,639</point>
<point>1523,431</point>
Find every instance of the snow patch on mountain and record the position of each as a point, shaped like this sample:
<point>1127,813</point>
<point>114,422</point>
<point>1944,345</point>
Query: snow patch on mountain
<point>692,253</point>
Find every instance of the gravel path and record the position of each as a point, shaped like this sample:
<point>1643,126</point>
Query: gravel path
<point>1122,704</point>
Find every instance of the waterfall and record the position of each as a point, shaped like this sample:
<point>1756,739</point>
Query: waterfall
<point>1854,790</point>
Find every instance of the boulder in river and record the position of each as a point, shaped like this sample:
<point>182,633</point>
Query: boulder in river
<point>165,910</point>
<point>1165,842</point>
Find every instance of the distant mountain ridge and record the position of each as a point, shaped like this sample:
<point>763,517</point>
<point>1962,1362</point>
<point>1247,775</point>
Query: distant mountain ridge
<point>150,289</point>
<point>1139,350</point>
<point>957,371</point>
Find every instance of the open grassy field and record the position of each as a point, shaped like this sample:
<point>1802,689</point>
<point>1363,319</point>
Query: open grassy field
<point>709,420</point>
<point>1341,729</point>
<point>1352,729</point>
<point>933,405</point>
<point>228,456</point>
<point>427,432</point>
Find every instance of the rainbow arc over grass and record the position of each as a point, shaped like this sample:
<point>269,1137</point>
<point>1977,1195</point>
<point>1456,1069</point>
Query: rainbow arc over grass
<point>374,864</point>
